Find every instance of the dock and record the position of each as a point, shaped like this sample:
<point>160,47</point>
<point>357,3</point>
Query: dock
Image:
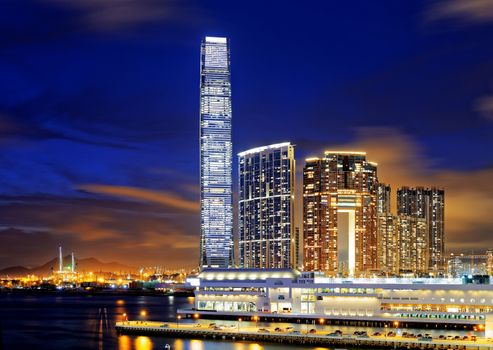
<point>193,330</point>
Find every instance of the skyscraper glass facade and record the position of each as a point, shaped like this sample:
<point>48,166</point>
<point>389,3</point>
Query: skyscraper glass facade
<point>216,207</point>
<point>266,207</point>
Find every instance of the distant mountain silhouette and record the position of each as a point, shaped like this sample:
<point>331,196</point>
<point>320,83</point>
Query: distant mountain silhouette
<point>81,265</point>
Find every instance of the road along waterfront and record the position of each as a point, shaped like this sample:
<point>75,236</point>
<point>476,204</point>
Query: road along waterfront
<point>289,336</point>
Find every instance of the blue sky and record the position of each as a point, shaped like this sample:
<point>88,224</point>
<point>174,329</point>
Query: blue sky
<point>99,111</point>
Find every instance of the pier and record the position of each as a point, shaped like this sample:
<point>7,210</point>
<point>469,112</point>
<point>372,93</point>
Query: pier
<point>266,334</point>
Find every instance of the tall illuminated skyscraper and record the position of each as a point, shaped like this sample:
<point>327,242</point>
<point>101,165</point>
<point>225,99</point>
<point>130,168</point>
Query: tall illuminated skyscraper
<point>339,214</point>
<point>266,207</point>
<point>216,204</point>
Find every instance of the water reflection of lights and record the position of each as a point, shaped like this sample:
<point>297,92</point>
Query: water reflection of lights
<point>120,302</point>
<point>255,347</point>
<point>124,342</point>
<point>143,343</point>
<point>178,345</point>
<point>196,344</point>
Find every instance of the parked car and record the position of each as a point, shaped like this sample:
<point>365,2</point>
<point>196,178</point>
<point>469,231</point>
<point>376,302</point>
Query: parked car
<point>334,335</point>
<point>313,331</point>
<point>164,325</point>
<point>425,338</point>
<point>288,329</point>
<point>441,336</point>
<point>263,330</point>
<point>278,329</point>
<point>391,334</point>
<point>376,334</point>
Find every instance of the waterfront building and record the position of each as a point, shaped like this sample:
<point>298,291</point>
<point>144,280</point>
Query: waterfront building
<point>216,203</point>
<point>290,295</point>
<point>339,214</point>
<point>418,205</point>
<point>266,207</point>
<point>459,265</point>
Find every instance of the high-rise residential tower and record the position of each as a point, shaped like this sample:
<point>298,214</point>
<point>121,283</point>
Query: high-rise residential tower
<point>266,207</point>
<point>421,216</point>
<point>387,238</point>
<point>216,204</point>
<point>339,214</point>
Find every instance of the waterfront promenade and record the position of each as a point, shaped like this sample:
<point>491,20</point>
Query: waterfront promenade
<point>240,332</point>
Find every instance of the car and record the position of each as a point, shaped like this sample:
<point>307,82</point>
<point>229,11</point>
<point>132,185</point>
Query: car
<point>457,337</point>
<point>441,336</point>
<point>212,325</point>
<point>425,338</point>
<point>198,325</point>
<point>474,338</point>
<point>263,330</point>
<point>376,334</point>
<point>356,333</point>
<point>289,329</point>
<point>391,334</point>
<point>164,325</point>
<point>338,331</point>
<point>295,332</point>
<point>278,329</point>
<point>334,335</point>
<point>313,331</point>
<point>465,337</point>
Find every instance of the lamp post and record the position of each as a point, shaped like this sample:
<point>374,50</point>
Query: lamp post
<point>238,324</point>
<point>178,318</point>
<point>124,317</point>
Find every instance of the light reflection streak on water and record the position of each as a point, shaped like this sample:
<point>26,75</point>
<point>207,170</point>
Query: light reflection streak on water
<point>143,343</point>
<point>124,342</point>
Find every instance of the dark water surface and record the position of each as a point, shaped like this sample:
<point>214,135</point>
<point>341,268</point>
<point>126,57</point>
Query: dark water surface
<point>46,321</point>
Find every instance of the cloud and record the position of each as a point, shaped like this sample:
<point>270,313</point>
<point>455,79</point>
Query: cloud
<point>484,106</point>
<point>137,233</point>
<point>468,11</point>
<point>140,194</point>
<point>104,15</point>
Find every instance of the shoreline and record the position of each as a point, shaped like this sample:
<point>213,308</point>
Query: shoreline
<point>92,292</point>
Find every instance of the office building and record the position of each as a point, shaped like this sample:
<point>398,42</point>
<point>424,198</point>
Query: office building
<point>216,207</point>
<point>339,214</point>
<point>266,207</point>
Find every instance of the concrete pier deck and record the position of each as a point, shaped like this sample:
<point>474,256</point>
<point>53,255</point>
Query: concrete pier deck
<point>268,334</point>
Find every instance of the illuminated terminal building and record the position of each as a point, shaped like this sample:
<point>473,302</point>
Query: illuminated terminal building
<point>266,207</point>
<point>339,214</point>
<point>288,295</point>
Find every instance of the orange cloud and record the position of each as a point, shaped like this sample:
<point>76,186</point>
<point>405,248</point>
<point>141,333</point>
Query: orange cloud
<point>140,194</point>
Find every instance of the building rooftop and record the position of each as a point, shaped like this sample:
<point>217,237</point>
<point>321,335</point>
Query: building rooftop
<point>247,274</point>
<point>264,148</point>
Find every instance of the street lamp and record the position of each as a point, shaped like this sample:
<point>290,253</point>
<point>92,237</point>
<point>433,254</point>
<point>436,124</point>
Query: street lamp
<point>124,317</point>
<point>238,323</point>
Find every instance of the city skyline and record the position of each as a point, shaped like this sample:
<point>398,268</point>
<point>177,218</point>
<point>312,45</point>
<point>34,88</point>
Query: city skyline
<point>99,142</point>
